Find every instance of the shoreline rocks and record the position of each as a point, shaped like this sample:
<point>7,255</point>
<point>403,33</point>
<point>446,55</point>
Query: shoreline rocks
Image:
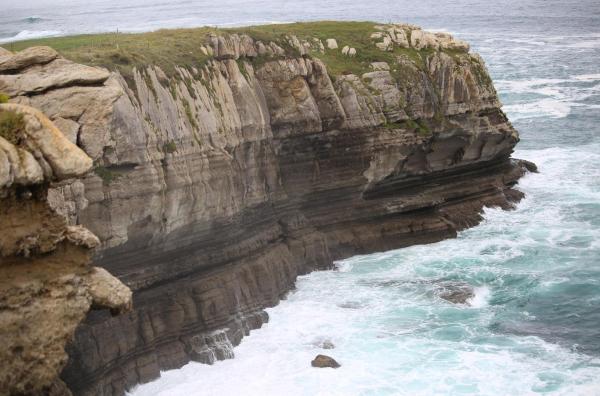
<point>323,361</point>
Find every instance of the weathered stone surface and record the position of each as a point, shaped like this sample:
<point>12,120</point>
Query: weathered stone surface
<point>360,107</point>
<point>107,292</point>
<point>385,91</point>
<point>456,292</point>
<point>218,186</point>
<point>420,39</point>
<point>18,166</point>
<point>332,43</point>
<point>323,361</point>
<point>56,74</point>
<point>46,283</point>
<point>45,140</point>
<point>4,52</point>
<point>29,57</point>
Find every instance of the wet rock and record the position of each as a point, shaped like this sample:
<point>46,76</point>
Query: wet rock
<point>456,292</point>
<point>351,305</point>
<point>322,361</point>
<point>327,345</point>
<point>323,343</point>
<point>530,166</point>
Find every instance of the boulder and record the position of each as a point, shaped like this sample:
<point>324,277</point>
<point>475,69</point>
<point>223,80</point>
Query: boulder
<point>26,58</point>
<point>56,74</point>
<point>322,361</point>
<point>386,44</point>
<point>446,41</point>
<point>18,166</point>
<point>318,45</point>
<point>398,36</point>
<point>49,145</point>
<point>380,66</point>
<point>352,52</point>
<point>107,291</point>
<point>332,43</point>
<point>327,345</point>
<point>345,50</point>
<point>456,292</point>
<point>420,39</point>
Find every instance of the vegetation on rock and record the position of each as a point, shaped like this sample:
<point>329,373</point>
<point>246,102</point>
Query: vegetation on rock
<point>12,126</point>
<point>170,147</point>
<point>106,175</point>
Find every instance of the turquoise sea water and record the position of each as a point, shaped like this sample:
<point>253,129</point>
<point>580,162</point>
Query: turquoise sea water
<point>533,325</point>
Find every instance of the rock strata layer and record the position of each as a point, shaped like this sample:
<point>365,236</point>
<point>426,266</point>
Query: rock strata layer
<point>215,186</point>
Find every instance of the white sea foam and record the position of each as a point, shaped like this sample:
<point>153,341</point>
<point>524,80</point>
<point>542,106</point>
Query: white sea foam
<point>554,98</point>
<point>481,297</point>
<point>31,34</point>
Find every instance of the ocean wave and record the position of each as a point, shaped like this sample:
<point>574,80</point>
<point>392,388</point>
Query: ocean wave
<point>553,97</point>
<point>32,19</point>
<point>31,34</point>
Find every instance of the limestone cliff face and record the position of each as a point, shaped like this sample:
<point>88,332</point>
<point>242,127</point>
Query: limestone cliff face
<point>46,283</point>
<point>214,187</point>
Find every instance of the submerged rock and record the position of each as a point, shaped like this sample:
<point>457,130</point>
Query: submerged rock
<point>456,292</point>
<point>323,361</point>
<point>327,345</point>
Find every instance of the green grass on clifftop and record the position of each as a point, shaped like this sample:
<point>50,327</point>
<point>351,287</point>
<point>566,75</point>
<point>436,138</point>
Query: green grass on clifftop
<point>181,47</point>
<point>163,48</point>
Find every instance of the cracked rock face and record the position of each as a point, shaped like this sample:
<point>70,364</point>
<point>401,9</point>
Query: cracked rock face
<point>46,283</point>
<point>215,186</point>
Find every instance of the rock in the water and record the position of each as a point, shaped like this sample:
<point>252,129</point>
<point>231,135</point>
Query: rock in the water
<point>322,361</point>
<point>327,345</point>
<point>457,293</point>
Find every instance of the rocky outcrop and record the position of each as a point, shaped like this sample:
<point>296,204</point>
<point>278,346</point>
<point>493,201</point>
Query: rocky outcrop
<point>214,186</point>
<point>323,361</point>
<point>46,283</point>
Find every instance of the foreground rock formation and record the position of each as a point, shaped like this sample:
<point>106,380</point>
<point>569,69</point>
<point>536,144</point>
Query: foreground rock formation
<point>46,283</point>
<point>216,184</point>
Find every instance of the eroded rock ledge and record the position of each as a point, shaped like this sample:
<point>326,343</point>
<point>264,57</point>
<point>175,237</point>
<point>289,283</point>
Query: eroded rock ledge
<point>272,152</point>
<point>46,283</point>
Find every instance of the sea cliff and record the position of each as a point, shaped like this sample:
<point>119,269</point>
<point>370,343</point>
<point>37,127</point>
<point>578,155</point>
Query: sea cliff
<point>227,162</point>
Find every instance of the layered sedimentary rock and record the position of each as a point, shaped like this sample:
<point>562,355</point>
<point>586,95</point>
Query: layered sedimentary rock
<point>216,185</point>
<point>46,283</point>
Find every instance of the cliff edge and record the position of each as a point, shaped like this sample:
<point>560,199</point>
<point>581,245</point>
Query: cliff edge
<point>227,162</point>
<point>46,283</point>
